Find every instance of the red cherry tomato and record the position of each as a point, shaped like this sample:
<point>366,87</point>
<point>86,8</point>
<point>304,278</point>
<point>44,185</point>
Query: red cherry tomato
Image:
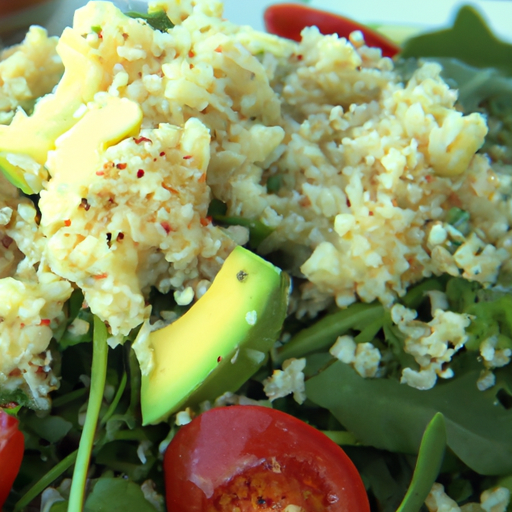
<point>288,20</point>
<point>248,458</point>
<point>12,445</point>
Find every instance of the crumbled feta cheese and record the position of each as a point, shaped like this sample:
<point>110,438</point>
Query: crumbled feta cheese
<point>184,417</point>
<point>494,357</point>
<point>495,500</point>
<point>363,357</point>
<point>486,380</point>
<point>286,381</point>
<point>184,297</point>
<point>344,349</point>
<point>367,359</point>
<point>438,300</point>
<point>439,501</point>
<point>432,344</point>
<point>491,500</point>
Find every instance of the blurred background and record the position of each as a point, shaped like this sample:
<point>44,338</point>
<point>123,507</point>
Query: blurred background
<point>16,15</point>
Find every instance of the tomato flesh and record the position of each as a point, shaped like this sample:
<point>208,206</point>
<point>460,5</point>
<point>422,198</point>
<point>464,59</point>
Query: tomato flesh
<point>248,458</point>
<point>288,20</point>
<point>12,445</point>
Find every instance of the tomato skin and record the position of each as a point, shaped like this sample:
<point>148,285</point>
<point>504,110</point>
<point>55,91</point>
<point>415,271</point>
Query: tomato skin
<point>288,20</point>
<point>12,445</point>
<point>223,442</point>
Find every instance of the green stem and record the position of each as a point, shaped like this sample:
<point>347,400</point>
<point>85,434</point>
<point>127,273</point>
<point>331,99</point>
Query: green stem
<point>98,378</point>
<point>428,464</point>
<point>115,402</point>
<point>45,481</point>
<point>68,397</point>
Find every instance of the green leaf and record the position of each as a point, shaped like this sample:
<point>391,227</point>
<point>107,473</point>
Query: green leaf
<point>50,428</point>
<point>323,334</point>
<point>430,458</point>
<point>158,19</point>
<point>469,40</point>
<point>391,416</point>
<point>117,495</point>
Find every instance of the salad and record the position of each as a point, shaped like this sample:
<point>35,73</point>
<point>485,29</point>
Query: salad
<point>225,254</point>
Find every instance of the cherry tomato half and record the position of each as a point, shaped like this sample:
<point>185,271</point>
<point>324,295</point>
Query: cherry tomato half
<point>12,445</point>
<point>288,20</point>
<point>248,458</point>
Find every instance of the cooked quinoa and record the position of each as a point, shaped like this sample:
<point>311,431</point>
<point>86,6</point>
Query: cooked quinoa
<point>353,171</point>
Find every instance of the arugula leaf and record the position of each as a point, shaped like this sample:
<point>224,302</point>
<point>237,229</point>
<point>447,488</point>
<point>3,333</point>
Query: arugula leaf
<point>391,416</point>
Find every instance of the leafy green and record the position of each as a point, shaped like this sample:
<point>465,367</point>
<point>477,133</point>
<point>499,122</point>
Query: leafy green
<point>117,495</point>
<point>394,416</point>
<point>158,19</point>
<point>469,40</point>
<point>430,458</point>
<point>323,333</point>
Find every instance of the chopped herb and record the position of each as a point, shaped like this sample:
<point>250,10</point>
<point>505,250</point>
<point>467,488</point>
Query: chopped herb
<point>158,19</point>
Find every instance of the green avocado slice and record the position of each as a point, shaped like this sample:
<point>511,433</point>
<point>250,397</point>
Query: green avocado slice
<point>221,341</point>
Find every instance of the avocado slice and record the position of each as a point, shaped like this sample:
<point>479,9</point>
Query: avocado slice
<point>98,129</point>
<point>221,341</point>
<point>54,114</point>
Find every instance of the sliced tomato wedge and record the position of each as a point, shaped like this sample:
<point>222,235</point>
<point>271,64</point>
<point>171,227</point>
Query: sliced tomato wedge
<point>12,445</point>
<point>248,458</point>
<point>288,20</point>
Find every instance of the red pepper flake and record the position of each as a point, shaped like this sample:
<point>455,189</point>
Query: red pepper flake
<point>162,153</point>
<point>299,57</point>
<point>191,66</point>
<point>40,369</point>
<point>120,236</point>
<point>187,157</point>
<point>166,226</point>
<point>429,178</point>
<point>140,173</point>
<point>67,222</point>
<point>121,166</point>
<point>142,139</point>
<point>206,221</point>
<point>7,241</point>
<point>45,321</point>
<point>394,202</point>
<point>218,49</point>
<point>101,276</point>
<point>349,204</point>
<point>100,173</point>
<point>202,178</point>
<point>15,373</point>
<point>22,325</point>
<point>191,54</point>
<point>370,214</point>
<point>219,359</point>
